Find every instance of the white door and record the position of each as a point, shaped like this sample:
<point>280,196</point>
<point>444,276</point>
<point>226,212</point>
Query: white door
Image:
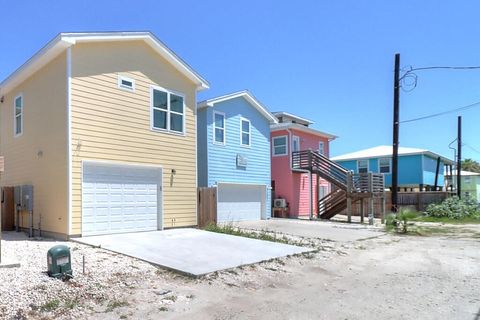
<point>120,198</point>
<point>240,202</point>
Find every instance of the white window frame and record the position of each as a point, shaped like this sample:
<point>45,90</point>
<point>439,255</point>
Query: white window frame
<point>389,165</point>
<point>358,165</point>
<point>321,147</point>
<point>295,138</point>
<point>224,128</point>
<point>273,146</point>
<point>168,111</point>
<point>242,132</point>
<point>124,87</point>
<point>15,134</point>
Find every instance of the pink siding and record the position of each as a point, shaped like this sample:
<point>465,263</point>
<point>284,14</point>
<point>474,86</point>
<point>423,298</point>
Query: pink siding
<point>292,186</point>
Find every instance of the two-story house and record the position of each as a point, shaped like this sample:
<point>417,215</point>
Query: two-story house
<point>102,125</point>
<point>293,133</point>
<point>234,155</point>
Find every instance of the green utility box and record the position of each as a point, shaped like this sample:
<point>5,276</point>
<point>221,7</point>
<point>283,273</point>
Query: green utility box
<point>59,262</point>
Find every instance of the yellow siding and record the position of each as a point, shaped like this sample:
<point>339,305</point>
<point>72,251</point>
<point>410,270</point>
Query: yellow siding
<point>114,125</point>
<point>39,155</point>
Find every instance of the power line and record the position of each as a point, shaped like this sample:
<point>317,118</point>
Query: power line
<point>475,104</point>
<point>472,148</point>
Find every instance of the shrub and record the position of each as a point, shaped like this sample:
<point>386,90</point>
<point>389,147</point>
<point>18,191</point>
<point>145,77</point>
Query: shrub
<point>454,208</point>
<point>400,221</point>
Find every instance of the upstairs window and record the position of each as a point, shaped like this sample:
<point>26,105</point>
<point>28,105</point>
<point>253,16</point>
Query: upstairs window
<point>126,83</point>
<point>321,148</point>
<point>168,111</point>
<point>279,146</point>
<point>18,116</point>
<point>384,165</point>
<point>218,127</point>
<point>245,132</point>
<point>362,166</point>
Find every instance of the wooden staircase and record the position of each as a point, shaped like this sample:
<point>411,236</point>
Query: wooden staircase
<point>347,184</point>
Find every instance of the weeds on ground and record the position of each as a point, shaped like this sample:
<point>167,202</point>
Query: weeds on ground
<point>454,208</point>
<point>116,304</point>
<point>400,222</point>
<point>50,305</point>
<point>260,235</point>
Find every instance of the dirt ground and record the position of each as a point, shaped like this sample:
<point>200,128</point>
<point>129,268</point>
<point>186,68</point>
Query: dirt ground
<point>391,276</point>
<point>396,277</point>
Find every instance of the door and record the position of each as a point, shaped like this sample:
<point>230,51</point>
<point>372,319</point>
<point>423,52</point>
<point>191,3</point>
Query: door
<point>295,143</point>
<point>240,202</point>
<point>119,198</point>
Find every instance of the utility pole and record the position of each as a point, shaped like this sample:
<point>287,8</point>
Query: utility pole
<point>396,124</point>
<point>459,158</point>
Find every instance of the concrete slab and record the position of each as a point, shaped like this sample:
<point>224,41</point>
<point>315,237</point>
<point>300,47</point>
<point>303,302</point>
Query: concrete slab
<point>335,231</point>
<point>9,264</point>
<point>192,251</point>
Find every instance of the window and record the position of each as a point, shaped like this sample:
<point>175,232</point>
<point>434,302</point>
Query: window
<point>167,111</point>
<point>18,116</point>
<point>126,83</point>
<point>279,145</point>
<point>321,148</point>
<point>218,127</point>
<point>295,143</point>
<point>384,165</point>
<point>244,132</point>
<point>362,166</point>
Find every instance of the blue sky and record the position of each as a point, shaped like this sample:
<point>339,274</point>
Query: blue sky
<point>330,61</point>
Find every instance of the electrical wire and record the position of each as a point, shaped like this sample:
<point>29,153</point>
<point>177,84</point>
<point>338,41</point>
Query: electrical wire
<point>472,148</point>
<point>476,104</point>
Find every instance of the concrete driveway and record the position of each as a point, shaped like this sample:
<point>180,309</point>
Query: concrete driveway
<point>192,251</point>
<point>329,230</point>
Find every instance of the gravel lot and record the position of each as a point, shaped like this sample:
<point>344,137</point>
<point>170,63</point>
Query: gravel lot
<point>397,277</point>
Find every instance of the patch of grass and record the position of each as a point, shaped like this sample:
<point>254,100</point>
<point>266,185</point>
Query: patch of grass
<point>71,303</point>
<point>50,305</point>
<point>116,304</point>
<point>163,309</point>
<point>172,298</point>
<point>464,220</point>
<point>123,316</point>
<point>260,235</point>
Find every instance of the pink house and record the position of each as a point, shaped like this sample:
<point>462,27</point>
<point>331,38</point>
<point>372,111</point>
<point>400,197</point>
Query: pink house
<point>292,133</point>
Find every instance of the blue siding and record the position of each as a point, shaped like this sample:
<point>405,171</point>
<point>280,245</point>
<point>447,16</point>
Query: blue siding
<point>412,170</point>
<point>202,152</point>
<point>429,171</point>
<point>221,159</point>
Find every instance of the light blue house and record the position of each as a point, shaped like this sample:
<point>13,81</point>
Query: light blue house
<point>417,168</point>
<point>234,155</point>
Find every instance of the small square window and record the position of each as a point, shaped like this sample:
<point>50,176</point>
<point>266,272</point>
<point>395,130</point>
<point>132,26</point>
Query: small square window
<point>126,83</point>
<point>362,166</point>
<point>384,165</point>
<point>279,146</point>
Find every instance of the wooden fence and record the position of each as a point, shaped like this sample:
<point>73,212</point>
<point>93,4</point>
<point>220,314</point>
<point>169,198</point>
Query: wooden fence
<point>417,201</point>
<point>207,206</point>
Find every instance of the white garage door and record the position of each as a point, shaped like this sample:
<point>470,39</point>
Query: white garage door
<point>120,198</point>
<point>239,202</point>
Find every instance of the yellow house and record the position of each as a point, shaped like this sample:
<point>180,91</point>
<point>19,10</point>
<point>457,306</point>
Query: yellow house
<point>103,126</point>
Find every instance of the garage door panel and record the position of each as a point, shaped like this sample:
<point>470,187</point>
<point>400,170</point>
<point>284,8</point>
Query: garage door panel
<point>120,198</point>
<point>240,202</point>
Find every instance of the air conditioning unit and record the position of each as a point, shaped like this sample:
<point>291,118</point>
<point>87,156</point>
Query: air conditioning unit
<point>279,203</point>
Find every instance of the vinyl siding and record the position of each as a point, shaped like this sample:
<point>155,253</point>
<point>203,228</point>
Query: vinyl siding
<point>112,124</point>
<point>222,165</point>
<point>39,156</point>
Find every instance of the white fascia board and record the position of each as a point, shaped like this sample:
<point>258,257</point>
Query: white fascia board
<point>35,63</point>
<point>247,96</point>
<point>65,40</point>
<point>299,127</point>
